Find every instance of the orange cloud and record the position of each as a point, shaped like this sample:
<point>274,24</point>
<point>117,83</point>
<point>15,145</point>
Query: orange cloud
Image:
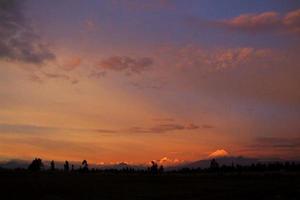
<point>260,21</point>
<point>266,21</point>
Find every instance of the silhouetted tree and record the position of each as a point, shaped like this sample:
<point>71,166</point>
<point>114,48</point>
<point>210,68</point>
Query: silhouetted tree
<point>161,169</point>
<point>72,168</point>
<point>154,168</point>
<point>214,165</point>
<point>52,165</point>
<point>36,165</point>
<point>66,166</point>
<point>85,166</point>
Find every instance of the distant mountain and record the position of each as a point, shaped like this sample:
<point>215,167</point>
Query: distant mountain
<point>14,164</point>
<point>227,160</point>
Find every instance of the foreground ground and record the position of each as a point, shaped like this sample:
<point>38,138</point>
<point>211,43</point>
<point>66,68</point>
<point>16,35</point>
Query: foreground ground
<point>57,186</point>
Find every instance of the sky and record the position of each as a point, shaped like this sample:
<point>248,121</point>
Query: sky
<point>138,80</point>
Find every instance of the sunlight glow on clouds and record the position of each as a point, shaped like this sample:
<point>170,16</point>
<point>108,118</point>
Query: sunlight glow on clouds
<point>218,153</point>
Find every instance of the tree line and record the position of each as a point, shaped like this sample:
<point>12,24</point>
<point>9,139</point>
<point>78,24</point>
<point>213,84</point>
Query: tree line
<point>37,165</point>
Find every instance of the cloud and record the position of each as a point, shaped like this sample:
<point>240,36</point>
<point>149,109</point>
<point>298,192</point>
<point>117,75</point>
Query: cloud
<point>48,75</point>
<point>126,64</point>
<point>262,21</point>
<point>43,76</point>
<point>266,21</point>
<point>71,63</point>
<point>18,40</point>
<point>25,128</point>
<point>34,129</point>
<point>164,128</point>
<point>292,21</point>
<point>56,76</point>
<point>209,60</point>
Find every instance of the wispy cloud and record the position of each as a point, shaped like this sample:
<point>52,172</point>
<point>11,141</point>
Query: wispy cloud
<point>208,60</point>
<point>276,142</point>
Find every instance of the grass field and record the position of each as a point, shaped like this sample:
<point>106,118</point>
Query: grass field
<point>21,185</point>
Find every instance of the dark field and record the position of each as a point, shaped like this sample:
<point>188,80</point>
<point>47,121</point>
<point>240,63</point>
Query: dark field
<point>24,185</point>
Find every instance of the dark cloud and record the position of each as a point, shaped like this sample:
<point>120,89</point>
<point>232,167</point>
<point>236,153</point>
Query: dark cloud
<point>126,64</point>
<point>18,40</point>
<point>163,128</point>
<point>270,146</point>
<point>34,129</point>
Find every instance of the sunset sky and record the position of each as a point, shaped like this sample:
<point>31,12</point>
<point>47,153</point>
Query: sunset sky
<point>140,80</point>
